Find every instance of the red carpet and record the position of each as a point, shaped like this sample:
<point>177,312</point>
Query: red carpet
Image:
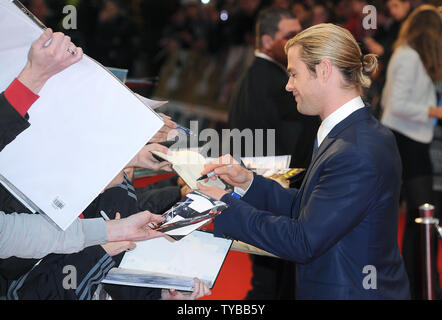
<point>233,282</point>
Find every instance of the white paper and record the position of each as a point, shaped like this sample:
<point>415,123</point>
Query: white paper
<point>199,203</point>
<point>267,166</point>
<point>188,165</point>
<point>85,127</point>
<point>200,255</point>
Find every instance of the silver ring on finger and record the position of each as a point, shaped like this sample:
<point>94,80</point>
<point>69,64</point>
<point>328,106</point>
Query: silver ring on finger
<point>73,52</point>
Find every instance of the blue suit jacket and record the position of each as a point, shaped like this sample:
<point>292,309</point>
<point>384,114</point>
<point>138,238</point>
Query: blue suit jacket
<point>341,226</point>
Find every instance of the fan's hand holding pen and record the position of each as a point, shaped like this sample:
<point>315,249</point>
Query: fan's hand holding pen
<point>167,132</point>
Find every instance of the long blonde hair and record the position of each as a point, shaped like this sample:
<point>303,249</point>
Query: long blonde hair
<point>422,31</point>
<point>335,43</point>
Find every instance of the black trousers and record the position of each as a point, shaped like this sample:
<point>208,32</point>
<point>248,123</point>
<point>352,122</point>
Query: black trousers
<point>273,279</point>
<point>417,189</point>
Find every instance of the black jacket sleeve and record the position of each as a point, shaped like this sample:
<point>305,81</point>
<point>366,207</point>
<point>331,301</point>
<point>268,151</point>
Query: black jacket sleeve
<point>11,122</point>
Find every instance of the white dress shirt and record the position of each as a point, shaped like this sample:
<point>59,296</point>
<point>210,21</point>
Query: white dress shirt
<point>337,116</point>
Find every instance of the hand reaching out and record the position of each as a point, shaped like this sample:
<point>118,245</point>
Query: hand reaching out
<point>137,227</point>
<point>116,247</point>
<point>167,132</point>
<point>44,61</point>
<point>145,159</point>
<point>200,290</point>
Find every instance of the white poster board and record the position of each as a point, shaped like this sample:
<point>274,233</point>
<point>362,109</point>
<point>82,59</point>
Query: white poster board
<point>162,263</point>
<point>85,127</point>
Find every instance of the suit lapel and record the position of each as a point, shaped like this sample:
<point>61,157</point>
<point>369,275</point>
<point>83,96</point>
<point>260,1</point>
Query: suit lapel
<point>312,167</point>
<point>361,114</point>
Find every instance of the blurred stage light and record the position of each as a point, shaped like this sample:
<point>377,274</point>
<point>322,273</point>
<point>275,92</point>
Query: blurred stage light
<point>224,15</point>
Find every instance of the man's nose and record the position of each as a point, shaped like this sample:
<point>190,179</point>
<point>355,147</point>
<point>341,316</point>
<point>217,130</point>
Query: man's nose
<point>289,85</point>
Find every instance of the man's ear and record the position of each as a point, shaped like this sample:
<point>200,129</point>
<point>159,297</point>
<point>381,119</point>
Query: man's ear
<point>266,42</point>
<point>324,69</point>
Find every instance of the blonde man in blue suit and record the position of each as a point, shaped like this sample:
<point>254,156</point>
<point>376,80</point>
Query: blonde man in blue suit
<point>341,225</point>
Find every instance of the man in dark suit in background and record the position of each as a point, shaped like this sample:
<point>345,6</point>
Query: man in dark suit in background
<point>260,102</point>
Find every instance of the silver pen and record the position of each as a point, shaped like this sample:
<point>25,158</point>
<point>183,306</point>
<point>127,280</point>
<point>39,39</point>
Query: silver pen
<point>104,215</point>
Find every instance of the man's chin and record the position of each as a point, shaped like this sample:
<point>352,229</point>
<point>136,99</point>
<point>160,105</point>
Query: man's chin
<point>302,109</point>
<point>299,107</point>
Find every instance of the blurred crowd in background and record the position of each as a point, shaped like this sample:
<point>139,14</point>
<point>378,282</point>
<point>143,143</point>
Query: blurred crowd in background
<point>198,49</point>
